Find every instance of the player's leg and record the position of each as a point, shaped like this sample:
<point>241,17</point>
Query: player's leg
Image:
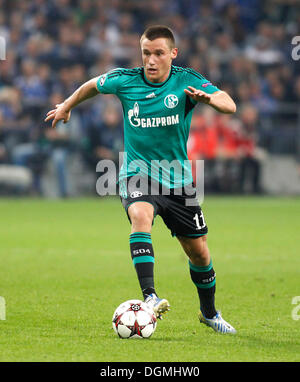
<point>204,277</point>
<point>141,215</point>
<point>201,271</point>
<point>186,221</point>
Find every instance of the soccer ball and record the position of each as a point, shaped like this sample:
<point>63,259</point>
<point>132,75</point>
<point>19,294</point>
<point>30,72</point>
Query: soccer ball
<point>134,319</point>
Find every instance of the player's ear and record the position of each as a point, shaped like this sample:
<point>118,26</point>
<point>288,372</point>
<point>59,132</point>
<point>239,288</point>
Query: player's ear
<point>174,53</point>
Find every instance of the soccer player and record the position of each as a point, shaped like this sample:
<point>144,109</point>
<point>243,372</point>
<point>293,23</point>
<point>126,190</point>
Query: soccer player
<point>158,100</point>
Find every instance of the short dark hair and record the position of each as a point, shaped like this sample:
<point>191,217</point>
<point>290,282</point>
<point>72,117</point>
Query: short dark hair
<point>159,31</point>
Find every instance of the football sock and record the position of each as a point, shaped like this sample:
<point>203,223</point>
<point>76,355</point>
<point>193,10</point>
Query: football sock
<point>205,280</point>
<point>143,259</point>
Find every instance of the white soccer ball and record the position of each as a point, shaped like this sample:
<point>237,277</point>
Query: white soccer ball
<point>134,319</point>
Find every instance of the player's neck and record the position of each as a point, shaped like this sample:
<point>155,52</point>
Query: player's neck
<point>159,80</point>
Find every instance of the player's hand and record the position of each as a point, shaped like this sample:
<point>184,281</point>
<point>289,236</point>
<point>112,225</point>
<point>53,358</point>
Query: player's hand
<point>58,114</point>
<point>198,95</point>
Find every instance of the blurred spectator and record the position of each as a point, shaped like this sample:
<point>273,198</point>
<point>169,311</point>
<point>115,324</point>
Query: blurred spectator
<point>232,19</point>
<point>8,69</point>
<point>296,89</point>
<point>33,90</point>
<point>228,146</point>
<point>16,125</point>
<point>224,50</point>
<point>105,138</point>
<point>3,151</point>
<point>250,154</point>
<point>61,141</point>
<point>203,145</point>
<point>262,48</point>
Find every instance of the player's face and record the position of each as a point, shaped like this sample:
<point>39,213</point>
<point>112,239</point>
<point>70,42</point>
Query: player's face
<point>157,58</point>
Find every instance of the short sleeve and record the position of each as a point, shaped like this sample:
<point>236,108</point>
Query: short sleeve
<point>196,80</point>
<point>109,82</point>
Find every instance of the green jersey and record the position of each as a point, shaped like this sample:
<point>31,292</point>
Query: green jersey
<point>157,118</point>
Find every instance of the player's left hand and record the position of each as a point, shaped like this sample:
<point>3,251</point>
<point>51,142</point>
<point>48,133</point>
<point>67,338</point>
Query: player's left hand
<point>198,95</point>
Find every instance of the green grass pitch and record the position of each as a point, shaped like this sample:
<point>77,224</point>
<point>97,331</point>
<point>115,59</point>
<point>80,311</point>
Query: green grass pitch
<point>65,267</point>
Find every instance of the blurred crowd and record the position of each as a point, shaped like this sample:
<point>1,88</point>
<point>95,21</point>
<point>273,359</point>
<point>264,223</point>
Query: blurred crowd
<point>53,46</point>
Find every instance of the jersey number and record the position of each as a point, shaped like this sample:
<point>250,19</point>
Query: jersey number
<point>199,220</point>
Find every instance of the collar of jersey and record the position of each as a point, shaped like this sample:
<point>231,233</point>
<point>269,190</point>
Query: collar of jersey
<point>153,84</point>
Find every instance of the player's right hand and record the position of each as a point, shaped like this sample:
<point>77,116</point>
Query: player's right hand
<point>58,114</point>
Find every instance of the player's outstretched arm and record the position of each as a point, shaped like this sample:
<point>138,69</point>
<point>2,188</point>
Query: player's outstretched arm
<point>219,100</point>
<point>63,110</point>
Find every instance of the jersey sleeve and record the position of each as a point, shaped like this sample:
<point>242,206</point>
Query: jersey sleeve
<point>199,82</point>
<point>110,82</point>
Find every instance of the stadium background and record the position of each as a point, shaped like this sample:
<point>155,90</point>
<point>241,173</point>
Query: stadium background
<point>244,47</point>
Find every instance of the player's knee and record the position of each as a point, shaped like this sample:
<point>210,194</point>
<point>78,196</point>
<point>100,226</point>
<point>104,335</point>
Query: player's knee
<point>141,216</point>
<point>196,249</point>
<point>200,257</point>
